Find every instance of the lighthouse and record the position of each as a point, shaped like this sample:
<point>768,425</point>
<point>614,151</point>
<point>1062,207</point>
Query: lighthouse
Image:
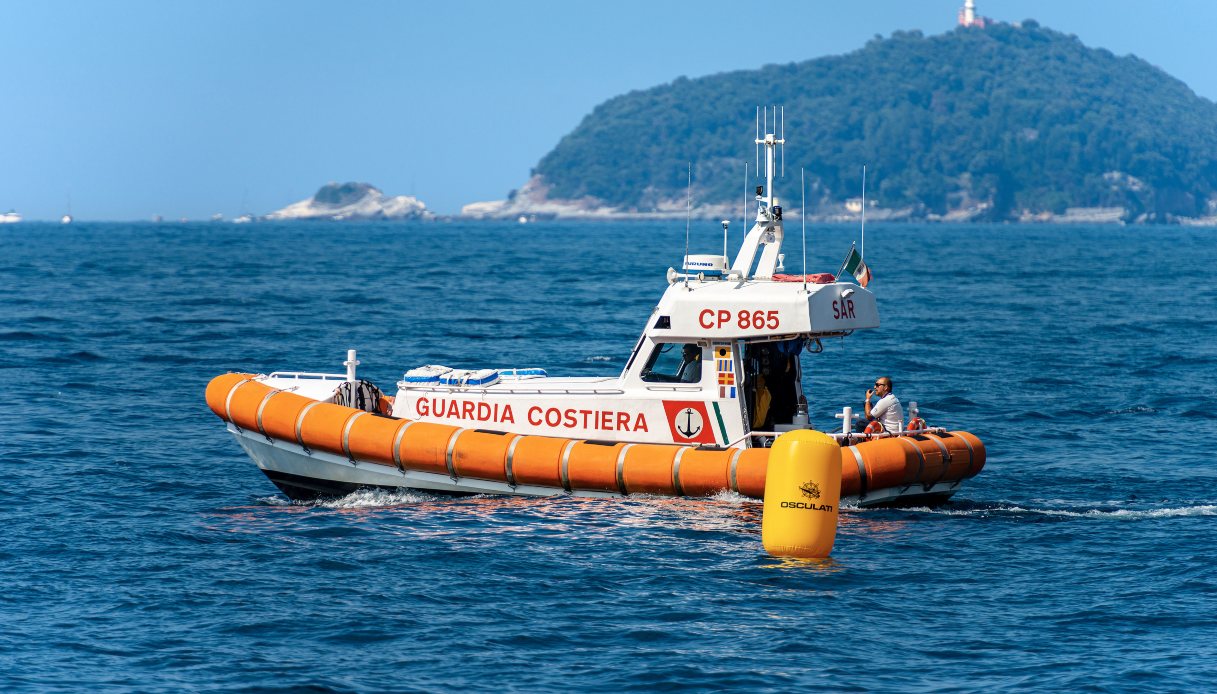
<point>968,16</point>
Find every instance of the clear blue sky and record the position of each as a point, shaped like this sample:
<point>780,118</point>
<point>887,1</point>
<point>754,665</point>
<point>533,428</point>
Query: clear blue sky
<point>185,109</point>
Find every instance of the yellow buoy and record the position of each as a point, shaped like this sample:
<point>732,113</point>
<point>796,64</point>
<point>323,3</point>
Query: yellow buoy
<point>802,493</point>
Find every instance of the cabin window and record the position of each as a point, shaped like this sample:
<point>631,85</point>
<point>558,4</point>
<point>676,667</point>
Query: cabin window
<point>674,362</point>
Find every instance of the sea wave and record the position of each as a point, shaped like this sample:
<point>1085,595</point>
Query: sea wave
<point>1083,513</point>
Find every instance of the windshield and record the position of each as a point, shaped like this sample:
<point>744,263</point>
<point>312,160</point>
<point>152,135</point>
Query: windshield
<point>674,362</point>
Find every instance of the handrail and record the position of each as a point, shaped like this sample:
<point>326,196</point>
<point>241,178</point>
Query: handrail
<point>514,391</point>
<point>888,434</point>
<point>862,435</point>
<point>307,374</point>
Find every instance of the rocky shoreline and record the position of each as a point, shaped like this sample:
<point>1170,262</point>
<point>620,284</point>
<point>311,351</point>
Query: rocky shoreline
<point>531,203</point>
<point>362,201</point>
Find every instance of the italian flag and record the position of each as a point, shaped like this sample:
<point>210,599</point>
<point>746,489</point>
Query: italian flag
<point>856,267</point>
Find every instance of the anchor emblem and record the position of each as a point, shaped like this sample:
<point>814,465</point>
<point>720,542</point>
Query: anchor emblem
<point>688,421</point>
<point>692,423</point>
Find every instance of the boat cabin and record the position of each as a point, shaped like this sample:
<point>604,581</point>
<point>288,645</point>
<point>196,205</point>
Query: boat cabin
<point>717,363</point>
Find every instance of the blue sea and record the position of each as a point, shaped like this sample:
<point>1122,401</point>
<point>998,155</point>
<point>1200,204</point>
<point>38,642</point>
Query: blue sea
<point>142,550</point>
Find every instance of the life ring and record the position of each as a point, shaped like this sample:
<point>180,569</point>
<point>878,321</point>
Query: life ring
<point>917,424</point>
<point>874,427</point>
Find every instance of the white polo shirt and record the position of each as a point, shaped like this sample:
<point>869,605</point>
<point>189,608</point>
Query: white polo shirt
<point>889,413</point>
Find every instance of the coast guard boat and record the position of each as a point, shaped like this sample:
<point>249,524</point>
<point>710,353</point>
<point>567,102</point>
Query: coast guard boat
<point>712,380</point>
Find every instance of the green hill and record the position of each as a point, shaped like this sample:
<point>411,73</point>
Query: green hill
<point>1008,119</point>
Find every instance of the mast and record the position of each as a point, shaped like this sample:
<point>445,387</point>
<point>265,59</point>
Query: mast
<point>767,230</point>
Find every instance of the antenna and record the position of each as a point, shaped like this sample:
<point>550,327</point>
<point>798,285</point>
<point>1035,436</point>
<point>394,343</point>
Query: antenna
<point>862,253</point>
<point>726,223</point>
<point>783,139</point>
<point>803,217</point>
<point>688,215</point>
<point>744,222</point>
<point>758,144</point>
<point>764,129</point>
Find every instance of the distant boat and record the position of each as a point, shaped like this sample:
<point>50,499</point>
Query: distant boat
<point>243,219</point>
<point>10,217</point>
<point>66,219</point>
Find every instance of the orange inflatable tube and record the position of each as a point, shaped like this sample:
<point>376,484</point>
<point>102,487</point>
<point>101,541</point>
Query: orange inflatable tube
<point>370,438</point>
<point>703,472</point>
<point>280,412</point>
<point>537,460</point>
<point>591,467</point>
<point>482,455</point>
<point>648,469</point>
<point>424,447</point>
<point>626,468</point>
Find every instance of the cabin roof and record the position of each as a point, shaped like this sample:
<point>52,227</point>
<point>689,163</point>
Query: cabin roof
<point>735,309</point>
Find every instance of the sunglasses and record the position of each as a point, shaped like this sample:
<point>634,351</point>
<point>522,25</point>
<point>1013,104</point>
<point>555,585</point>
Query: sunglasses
<point>880,384</point>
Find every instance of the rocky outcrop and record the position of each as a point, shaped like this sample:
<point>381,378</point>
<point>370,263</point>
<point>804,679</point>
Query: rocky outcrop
<point>352,201</point>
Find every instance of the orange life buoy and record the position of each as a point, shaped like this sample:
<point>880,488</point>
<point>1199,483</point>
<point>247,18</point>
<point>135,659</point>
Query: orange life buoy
<point>873,427</point>
<point>917,424</point>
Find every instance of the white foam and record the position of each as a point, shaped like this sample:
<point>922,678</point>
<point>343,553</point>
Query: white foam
<point>1136,409</point>
<point>731,497</point>
<point>1094,513</point>
<point>375,498</point>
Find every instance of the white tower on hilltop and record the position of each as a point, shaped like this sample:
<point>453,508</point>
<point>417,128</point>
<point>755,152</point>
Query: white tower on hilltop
<point>968,16</point>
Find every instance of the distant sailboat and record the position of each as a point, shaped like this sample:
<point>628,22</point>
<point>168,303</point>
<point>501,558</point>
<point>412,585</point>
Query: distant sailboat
<point>244,217</point>
<point>67,218</point>
<point>10,217</point>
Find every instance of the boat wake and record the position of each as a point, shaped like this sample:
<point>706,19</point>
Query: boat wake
<point>362,498</point>
<point>381,498</point>
<point>1101,512</point>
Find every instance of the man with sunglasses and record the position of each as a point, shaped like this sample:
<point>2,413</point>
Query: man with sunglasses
<point>887,411</point>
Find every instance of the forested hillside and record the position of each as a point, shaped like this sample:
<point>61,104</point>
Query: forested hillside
<point>1007,119</point>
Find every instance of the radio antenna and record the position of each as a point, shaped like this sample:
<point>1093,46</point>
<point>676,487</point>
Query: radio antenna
<point>803,217</point>
<point>688,215</point>
<point>783,138</point>
<point>758,145</point>
<point>744,223</point>
<point>862,253</point>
